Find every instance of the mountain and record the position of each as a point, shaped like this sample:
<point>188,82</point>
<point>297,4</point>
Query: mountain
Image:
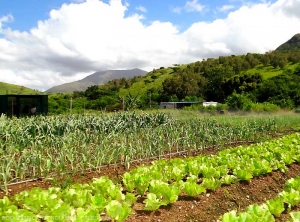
<point>292,44</point>
<point>97,78</point>
<point>6,88</point>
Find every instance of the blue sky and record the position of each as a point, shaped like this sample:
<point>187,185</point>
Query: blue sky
<point>50,42</point>
<point>27,13</point>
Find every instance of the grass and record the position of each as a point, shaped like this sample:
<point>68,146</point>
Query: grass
<point>6,88</point>
<point>285,120</point>
<point>141,87</point>
<point>269,71</point>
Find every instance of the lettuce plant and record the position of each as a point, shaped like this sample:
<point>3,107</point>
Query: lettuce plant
<point>153,203</point>
<point>295,216</point>
<point>118,211</point>
<point>260,213</point>
<point>192,188</point>
<point>276,206</point>
<point>211,183</point>
<point>90,214</point>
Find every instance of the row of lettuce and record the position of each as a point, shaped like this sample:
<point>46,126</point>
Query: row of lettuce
<point>284,202</point>
<point>158,184</point>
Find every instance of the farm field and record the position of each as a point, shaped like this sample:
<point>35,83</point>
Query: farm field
<point>195,153</point>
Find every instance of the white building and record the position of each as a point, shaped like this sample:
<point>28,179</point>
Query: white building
<point>210,104</point>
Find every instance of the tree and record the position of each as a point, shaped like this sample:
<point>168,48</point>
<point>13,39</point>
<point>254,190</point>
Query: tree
<point>213,89</point>
<point>241,83</point>
<point>92,92</point>
<point>185,83</point>
<point>238,102</point>
<point>251,60</point>
<point>278,60</point>
<point>77,94</point>
<point>265,59</point>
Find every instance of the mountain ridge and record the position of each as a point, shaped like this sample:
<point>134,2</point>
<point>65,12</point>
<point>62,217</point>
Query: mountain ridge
<point>96,78</point>
<point>291,44</point>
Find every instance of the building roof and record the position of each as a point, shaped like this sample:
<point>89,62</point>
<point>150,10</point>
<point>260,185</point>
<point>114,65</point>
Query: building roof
<point>184,102</point>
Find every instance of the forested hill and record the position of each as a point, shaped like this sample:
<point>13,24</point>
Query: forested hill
<point>273,77</point>
<point>214,79</point>
<point>290,45</point>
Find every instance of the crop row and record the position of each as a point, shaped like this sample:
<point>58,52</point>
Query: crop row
<point>284,202</point>
<point>159,184</point>
<point>42,146</point>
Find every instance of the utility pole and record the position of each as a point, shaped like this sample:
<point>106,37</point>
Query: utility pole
<point>12,107</point>
<point>71,106</point>
<point>150,100</point>
<point>123,104</point>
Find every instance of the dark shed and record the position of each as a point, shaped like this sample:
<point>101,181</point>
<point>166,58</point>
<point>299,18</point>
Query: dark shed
<point>23,105</point>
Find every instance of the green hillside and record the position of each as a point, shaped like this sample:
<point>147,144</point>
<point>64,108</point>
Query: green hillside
<point>269,71</point>
<point>6,88</point>
<point>150,82</point>
<point>154,79</point>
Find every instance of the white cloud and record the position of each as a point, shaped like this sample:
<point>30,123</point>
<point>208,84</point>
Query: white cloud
<point>77,1</point>
<point>225,8</point>
<point>79,39</point>
<point>141,8</point>
<point>6,19</point>
<point>190,6</point>
<point>193,5</point>
<point>176,10</point>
